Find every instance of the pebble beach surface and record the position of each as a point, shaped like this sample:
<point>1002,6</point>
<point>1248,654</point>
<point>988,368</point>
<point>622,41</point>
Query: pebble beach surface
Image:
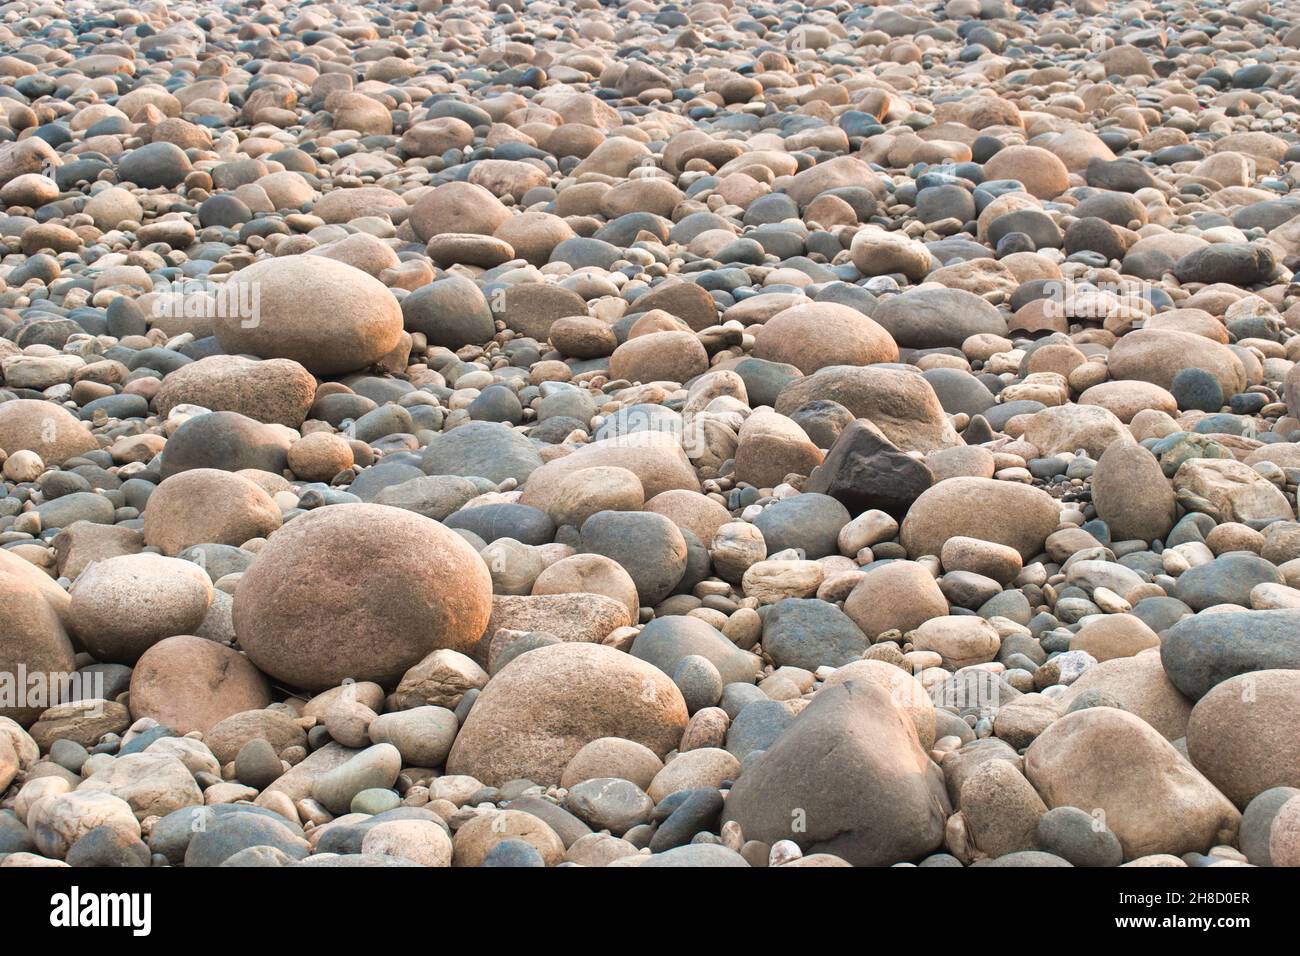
<point>635,434</point>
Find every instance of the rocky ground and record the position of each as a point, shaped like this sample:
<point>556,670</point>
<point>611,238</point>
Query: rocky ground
<point>634,434</point>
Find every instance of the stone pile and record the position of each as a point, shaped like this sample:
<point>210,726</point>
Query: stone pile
<point>636,434</point>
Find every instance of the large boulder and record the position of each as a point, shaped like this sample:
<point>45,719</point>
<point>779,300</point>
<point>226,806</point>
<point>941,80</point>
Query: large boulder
<point>482,450</point>
<point>582,493</point>
<point>900,403</point>
<point>227,441</point>
<point>49,429</point>
<point>1229,579</point>
<point>344,205</point>
<point>1019,516</point>
<point>840,172</point>
<point>1140,685</point>
<point>450,312</point>
<point>1042,172</point>
<point>811,634</point>
<point>359,591</point>
<point>1204,650</point>
<point>324,314</point>
<point>124,605</point>
<point>848,778</point>
<point>152,784</point>
<point>1063,428</point>
<point>1239,263</point>
<point>659,357</point>
<point>1155,801</point>
<point>433,137</point>
<point>526,832</point>
<point>935,317</point>
<point>769,447</point>
<point>190,683</point>
<point>1110,636</point>
<point>906,691</point>
<point>895,595</point>
<point>434,496</point>
<point>1131,493</point>
<point>589,575</point>
<point>1000,809</point>
<point>458,207</point>
<point>687,301</point>
<point>531,308</point>
<point>1237,491</point>
<point>655,457</point>
<point>61,819</point>
<point>276,390</point>
<point>207,506</point>
<point>83,542</point>
<point>648,546</point>
<point>1157,355</point>
<point>876,251</point>
<point>38,579</point>
<point>535,715</point>
<point>863,471</point>
<point>961,640</point>
<point>1244,735</point>
<point>32,638</point>
<point>817,334</point>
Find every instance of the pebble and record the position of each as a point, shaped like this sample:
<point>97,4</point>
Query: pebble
<point>373,767</point>
<point>513,853</point>
<point>609,803</point>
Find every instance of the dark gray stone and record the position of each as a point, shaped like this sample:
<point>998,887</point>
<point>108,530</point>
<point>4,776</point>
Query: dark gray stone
<point>505,520</point>
<point>666,640</point>
<point>225,440</point>
<point>451,312</point>
<point>1237,263</point>
<point>1202,651</point>
<point>810,634</point>
<point>648,546</point>
<point>757,727</point>
<point>863,471</point>
<point>1074,835</point>
<point>1228,579</point>
<point>482,450</point>
<point>810,521</point>
<point>696,812</point>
